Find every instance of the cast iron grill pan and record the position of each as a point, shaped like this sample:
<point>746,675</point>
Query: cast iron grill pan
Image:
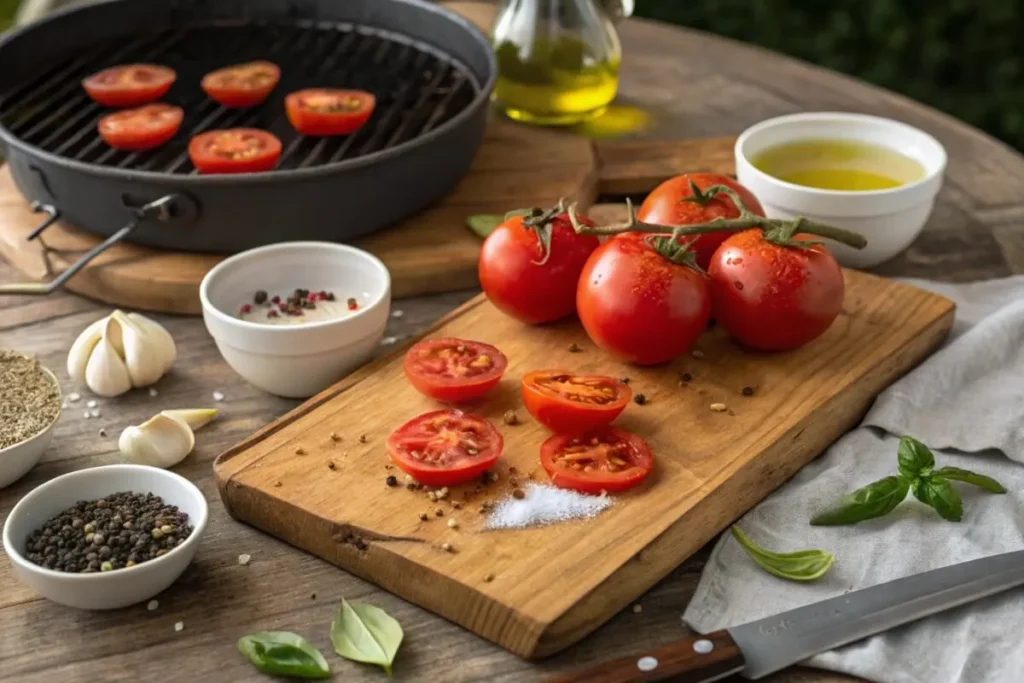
<point>416,87</point>
<point>430,71</point>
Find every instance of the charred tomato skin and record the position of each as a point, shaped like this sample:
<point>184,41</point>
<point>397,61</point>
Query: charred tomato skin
<point>439,437</point>
<point>631,449</point>
<point>771,297</point>
<point>558,399</point>
<point>667,205</point>
<point>460,380</point>
<point>638,305</point>
<point>516,280</point>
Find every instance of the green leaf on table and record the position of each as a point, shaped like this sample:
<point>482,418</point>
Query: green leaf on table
<point>938,493</point>
<point>874,500</point>
<point>968,477</point>
<point>803,565</point>
<point>281,653</point>
<point>915,459</point>
<point>484,224</point>
<point>365,633</point>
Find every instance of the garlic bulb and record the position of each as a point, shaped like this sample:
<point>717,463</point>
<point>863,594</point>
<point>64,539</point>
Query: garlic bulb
<point>121,351</point>
<point>165,439</point>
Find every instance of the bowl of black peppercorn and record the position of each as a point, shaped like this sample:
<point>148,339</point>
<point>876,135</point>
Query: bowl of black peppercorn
<point>105,537</point>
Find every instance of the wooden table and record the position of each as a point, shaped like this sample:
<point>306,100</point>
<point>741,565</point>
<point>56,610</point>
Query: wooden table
<point>696,85</point>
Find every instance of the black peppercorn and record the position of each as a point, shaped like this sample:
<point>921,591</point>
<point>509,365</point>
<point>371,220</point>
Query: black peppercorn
<point>748,391</point>
<point>260,297</point>
<point>624,380</point>
<point>686,377</point>
<point>640,399</point>
<point>392,480</point>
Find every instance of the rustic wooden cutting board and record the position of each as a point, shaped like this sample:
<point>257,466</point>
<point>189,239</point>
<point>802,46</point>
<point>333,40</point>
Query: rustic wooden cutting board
<point>551,586</point>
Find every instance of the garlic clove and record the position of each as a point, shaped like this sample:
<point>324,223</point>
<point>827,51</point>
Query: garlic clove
<point>113,333</point>
<point>78,356</point>
<point>161,441</point>
<point>161,338</point>
<point>195,418</point>
<point>142,355</point>
<point>105,372</point>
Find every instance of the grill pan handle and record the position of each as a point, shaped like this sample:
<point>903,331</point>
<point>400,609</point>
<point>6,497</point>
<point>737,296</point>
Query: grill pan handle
<point>160,209</point>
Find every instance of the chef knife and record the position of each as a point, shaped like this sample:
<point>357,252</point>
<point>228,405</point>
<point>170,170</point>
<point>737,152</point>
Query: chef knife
<point>765,646</point>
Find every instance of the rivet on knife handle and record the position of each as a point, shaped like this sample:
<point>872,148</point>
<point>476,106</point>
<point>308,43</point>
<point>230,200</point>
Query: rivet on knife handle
<point>698,659</point>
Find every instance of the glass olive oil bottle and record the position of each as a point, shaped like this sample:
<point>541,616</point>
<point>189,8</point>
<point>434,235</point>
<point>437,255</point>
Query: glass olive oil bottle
<point>558,60</point>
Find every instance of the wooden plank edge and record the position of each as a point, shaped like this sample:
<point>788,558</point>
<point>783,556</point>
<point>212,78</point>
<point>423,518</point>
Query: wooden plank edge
<point>678,542</point>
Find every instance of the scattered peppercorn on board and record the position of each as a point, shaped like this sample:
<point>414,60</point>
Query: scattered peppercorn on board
<point>727,427</point>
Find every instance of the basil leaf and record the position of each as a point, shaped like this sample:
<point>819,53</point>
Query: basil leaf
<point>281,653</point>
<point>484,224</point>
<point>874,500</point>
<point>938,493</point>
<point>365,633</point>
<point>803,565</point>
<point>915,459</point>
<point>973,478</point>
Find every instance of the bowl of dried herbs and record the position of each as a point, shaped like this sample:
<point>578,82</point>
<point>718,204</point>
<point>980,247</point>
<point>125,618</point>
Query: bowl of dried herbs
<point>30,403</point>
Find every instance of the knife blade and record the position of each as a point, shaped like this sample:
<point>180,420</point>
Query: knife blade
<point>767,645</point>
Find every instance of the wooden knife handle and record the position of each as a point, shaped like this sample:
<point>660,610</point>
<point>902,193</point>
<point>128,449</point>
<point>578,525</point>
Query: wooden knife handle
<point>692,660</point>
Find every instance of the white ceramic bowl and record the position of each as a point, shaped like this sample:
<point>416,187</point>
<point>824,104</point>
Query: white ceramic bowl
<point>17,460</point>
<point>298,360</point>
<point>104,590</point>
<point>890,219</point>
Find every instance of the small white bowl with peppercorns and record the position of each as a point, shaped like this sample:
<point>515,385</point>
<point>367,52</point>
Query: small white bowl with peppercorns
<point>294,318</point>
<point>105,537</point>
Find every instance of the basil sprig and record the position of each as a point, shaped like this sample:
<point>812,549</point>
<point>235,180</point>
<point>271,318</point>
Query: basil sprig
<point>281,653</point>
<point>803,565</point>
<point>917,473</point>
<point>365,633</point>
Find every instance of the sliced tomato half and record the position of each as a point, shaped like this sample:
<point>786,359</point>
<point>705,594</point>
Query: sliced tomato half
<point>610,459</point>
<point>326,111</point>
<point>144,127</point>
<point>242,85</point>
<point>234,150</point>
<point>568,403</point>
<point>129,85</point>
<point>445,447</point>
<point>454,370</point>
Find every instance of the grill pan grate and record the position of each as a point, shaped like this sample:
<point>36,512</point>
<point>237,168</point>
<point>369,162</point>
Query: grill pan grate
<point>417,89</point>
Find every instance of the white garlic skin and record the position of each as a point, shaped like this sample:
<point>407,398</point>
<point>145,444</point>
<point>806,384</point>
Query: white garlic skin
<point>121,352</point>
<point>162,441</point>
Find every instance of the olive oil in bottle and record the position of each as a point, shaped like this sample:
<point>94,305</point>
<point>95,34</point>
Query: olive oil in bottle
<point>558,60</point>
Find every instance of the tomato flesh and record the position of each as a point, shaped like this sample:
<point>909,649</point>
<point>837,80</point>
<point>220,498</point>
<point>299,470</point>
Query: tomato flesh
<point>638,305</point>
<point>129,85</point>
<point>608,460</point>
<point>771,297</point>
<point>454,370</point>
<point>242,85</point>
<point>567,403</point>
<point>327,111</point>
<point>145,127</point>
<point>667,204</point>
<point>520,282</point>
<point>235,150</point>
<point>445,447</point>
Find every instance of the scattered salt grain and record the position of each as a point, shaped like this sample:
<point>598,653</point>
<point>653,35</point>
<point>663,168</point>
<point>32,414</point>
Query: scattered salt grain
<point>398,313</point>
<point>90,404</point>
<point>244,558</point>
<point>388,341</point>
<point>543,505</point>
<point>153,391</point>
<point>152,605</point>
<point>95,412</point>
<point>74,397</point>
<point>86,415</point>
<point>179,625</point>
<point>218,396</point>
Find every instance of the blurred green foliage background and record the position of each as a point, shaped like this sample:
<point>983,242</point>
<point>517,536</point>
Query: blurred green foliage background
<point>965,57</point>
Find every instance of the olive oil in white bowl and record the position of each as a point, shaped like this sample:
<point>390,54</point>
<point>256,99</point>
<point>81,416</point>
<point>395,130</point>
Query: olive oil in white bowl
<point>868,174</point>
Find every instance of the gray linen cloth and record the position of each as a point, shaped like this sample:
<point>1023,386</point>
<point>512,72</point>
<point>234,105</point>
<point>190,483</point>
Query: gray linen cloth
<point>967,403</point>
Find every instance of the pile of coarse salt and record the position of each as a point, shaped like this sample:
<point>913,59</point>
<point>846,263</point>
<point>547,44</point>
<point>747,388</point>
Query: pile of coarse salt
<point>543,505</point>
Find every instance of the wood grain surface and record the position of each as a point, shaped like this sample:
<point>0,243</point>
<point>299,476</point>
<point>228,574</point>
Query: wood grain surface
<point>691,85</point>
<point>554,585</point>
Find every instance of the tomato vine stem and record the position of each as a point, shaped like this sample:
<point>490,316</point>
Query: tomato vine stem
<point>776,231</point>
